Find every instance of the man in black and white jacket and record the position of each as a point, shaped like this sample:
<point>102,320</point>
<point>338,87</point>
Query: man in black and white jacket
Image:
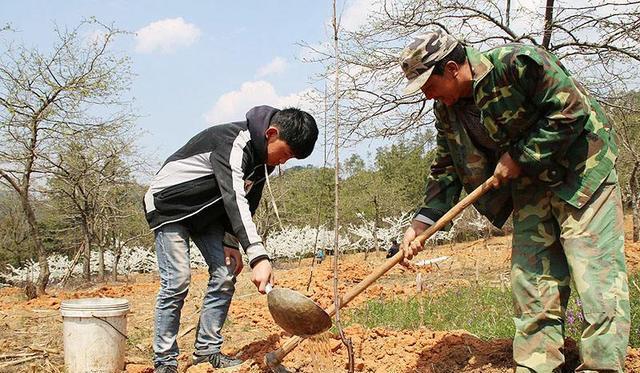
<point>207,192</point>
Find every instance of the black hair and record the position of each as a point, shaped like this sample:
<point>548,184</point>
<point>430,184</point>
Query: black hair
<point>298,129</point>
<point>457,55</point>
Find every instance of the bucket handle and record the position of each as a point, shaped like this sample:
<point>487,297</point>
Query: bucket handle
<point>111,325</point>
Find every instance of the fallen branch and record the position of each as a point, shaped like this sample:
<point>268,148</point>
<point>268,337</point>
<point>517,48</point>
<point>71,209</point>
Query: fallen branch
<point>13,356</point>
<point>21,361</point>
<point>44,349</point>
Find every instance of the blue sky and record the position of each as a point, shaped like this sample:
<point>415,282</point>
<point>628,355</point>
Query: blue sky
<point>197,63</point>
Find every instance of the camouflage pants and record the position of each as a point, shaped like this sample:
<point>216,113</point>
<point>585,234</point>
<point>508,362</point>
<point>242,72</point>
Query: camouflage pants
<point>555,244</point>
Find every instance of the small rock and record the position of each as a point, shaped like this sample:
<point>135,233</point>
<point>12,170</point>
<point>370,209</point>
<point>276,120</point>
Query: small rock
<point>410,349</point>
<point>410,340</point>
<point>390,344</point>
<point>381,332</point>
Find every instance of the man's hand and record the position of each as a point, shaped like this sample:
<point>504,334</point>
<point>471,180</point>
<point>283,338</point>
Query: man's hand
<point>409,246</point>
<point>235,256</point>
<point>506,169</point>
<point>262,275</point>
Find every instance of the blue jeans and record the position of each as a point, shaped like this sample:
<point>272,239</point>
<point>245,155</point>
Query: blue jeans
<point>172,251</point>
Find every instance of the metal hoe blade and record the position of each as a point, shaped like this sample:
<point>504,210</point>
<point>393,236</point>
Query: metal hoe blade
<point>296,313</point>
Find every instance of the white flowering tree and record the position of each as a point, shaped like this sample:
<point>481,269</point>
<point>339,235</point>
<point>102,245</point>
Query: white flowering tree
<point>295,242</point>
<point>392,228</point>
<point>290,243</point>
<point>132,260</point>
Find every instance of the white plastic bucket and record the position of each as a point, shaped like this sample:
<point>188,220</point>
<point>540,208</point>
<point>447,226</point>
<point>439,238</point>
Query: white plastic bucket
<point>94,332</point>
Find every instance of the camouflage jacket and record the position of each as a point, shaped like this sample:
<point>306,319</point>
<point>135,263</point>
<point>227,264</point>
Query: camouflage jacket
<point>533,108</point>
<point>461,163</point>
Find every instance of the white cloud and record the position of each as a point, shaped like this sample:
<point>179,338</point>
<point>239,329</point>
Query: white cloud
<point>276,66</point>
<point>357,13</point>
<point>166,35</point>
<point>233,105</point>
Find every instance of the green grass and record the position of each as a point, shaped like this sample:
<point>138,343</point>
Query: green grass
<point>634,297</point>
<point>482,310</point>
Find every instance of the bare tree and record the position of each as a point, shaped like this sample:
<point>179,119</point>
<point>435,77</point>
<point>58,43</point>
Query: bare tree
<point>46,96</point>
<point>598,41</point>
<point>91,175</point>
<point>336,243</point>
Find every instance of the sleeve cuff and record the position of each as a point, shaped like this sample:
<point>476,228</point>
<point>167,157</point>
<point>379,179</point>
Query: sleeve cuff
<point>423,219</point>
<point>257,260</point>
<point>428,215</point>
<point>255,253</point>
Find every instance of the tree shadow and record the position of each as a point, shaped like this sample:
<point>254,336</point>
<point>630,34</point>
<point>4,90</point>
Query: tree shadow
<point>467,353</point>
<point>257,350</point>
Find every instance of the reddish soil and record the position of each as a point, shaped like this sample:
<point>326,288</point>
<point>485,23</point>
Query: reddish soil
<point>36,326</point>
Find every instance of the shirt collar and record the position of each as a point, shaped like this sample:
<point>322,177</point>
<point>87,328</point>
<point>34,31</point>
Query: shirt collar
<point>480,66</point>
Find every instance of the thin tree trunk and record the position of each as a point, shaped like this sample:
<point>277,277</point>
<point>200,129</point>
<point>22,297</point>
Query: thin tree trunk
<point>23,191</point>
<point>508,16</point>
<point>86,265</point>
<point>336,222</point>
<point>101,263</point>
<point>324,164</point>
<point>324,160</point>
<point>548,23</point>
<point>116,257</point>
<point>43,277</point>
<point>336,173</point>
<point>102,246</point>
<point>376,244</point>
<point>116,263</point>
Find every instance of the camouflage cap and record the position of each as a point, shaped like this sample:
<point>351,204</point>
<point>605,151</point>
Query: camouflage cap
<point>417,59</point>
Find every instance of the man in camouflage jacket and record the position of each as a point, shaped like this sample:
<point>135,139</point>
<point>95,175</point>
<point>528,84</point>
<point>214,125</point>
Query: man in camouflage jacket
<point>516,113</point>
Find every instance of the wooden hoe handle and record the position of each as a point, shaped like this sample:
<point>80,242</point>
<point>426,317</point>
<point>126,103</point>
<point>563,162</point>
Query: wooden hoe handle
<point>274,358</point>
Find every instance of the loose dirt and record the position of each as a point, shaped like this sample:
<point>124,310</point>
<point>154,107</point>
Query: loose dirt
<point>35,327</point>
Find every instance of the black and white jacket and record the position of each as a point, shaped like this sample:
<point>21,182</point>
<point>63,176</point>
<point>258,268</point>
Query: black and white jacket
<point>218,175</point>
